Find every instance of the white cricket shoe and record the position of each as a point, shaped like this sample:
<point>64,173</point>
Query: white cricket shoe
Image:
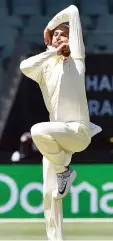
<point>64,181</point>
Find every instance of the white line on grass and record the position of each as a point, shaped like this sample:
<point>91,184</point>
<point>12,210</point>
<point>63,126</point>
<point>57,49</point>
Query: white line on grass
<point>66,220</point>
<point>47,240</point>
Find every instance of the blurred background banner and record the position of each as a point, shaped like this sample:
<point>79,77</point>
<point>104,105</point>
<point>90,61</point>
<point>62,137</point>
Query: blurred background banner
<point>91,195</point>
<point>99,87</point>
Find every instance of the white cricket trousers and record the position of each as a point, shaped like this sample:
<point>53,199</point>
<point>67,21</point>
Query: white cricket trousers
<point>57,141</point>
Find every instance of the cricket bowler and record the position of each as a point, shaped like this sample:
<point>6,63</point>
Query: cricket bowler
<point>60,73</point>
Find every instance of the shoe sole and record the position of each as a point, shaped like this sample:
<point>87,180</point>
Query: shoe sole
<point>73,176</point>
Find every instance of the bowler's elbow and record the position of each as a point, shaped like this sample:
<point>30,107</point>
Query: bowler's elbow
<point>28,70</point>
<point>23,68</point>
<point>74,9</point>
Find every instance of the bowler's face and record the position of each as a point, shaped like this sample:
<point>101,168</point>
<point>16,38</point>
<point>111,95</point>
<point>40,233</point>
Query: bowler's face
<point>60,35</point>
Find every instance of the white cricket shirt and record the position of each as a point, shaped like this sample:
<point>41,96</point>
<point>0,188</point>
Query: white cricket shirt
<point>62,82</point>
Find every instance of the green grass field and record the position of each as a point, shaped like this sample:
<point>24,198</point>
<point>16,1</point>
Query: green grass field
<point>72,231</point>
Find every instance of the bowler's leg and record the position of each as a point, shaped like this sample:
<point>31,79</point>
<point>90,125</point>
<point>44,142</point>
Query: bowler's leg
<point>52,208</point>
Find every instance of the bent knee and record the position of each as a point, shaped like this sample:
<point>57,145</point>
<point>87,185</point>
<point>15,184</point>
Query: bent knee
<point>35,133</point>
<point>36,130</point>
<point>33,130</point>
<point>39,133</point>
